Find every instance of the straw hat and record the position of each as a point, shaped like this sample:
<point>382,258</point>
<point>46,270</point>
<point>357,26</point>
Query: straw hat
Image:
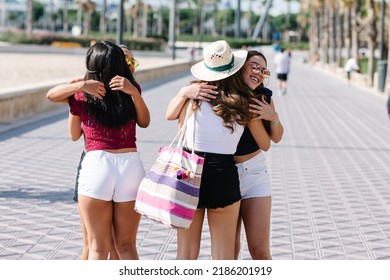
<point>219,62</point>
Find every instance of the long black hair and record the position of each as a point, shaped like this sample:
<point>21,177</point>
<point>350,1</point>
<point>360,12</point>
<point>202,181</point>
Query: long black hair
<point>104,61</point>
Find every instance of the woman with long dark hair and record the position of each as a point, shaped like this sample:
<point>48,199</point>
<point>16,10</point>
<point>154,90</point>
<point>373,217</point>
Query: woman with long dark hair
<point>109,105</point>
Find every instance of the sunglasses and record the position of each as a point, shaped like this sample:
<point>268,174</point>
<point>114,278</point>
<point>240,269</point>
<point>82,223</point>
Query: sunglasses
<point>132,62</point>
<point>258,70</point>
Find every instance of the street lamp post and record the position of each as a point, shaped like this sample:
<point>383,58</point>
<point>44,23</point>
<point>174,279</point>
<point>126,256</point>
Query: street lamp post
<point>201,26</point>
<point>119,29</point>
<point>172,28</point>
<point>2,15</point>
<point>237,33</point>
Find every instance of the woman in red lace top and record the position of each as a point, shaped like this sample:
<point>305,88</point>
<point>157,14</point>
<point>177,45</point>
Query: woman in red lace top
<point>109,106</point>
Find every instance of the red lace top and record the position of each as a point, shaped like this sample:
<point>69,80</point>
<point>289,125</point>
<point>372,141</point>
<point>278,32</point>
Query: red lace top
<point>97,136</point>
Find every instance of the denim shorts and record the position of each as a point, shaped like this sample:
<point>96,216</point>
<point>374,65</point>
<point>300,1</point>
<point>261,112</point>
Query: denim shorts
<point>254,177</point>
<point>220,186</point>
<point>108,176</point>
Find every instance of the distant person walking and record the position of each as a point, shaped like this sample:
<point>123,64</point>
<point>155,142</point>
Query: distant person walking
<point>282,68</point>
<point>351,65</point>
<point>191,53</point>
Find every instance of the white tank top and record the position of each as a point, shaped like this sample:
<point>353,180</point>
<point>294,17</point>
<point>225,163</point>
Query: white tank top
<point>210,134</point>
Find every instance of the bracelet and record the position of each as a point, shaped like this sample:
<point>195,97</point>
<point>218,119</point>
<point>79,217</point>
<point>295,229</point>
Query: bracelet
<point>275,123</point>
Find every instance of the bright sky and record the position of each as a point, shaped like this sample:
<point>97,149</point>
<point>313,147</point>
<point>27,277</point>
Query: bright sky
<point>278,6</point>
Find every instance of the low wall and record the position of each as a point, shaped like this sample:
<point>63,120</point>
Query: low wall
<point>22,101</point>
<point>356,78</point>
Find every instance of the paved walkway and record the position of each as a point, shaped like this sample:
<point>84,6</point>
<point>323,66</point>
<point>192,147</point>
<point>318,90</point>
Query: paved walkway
<point>330,176</point>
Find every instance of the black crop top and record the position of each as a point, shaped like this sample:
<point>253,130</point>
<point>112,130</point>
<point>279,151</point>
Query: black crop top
<point>247,143</point>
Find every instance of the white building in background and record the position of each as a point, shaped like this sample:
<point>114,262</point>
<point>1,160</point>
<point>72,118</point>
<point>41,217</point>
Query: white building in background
<point>11,13</point>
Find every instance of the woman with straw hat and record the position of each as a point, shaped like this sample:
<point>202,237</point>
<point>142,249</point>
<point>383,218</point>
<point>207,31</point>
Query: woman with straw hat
<point>255,185</point>
<point>218,127</point>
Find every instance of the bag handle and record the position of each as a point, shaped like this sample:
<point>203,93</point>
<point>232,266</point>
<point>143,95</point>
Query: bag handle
<point>183,128</point>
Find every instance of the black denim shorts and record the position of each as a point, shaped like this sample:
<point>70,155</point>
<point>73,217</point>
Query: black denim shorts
<point>220,186</point>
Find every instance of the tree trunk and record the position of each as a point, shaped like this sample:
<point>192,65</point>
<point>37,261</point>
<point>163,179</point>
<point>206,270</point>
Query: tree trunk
<point>103,21</point>
<point>355,29</point>
<point>29,10</point>
<point>348,32</point>
<point>387,89</point>
<point>65,21</point>
<point>324,35</point>
<point>340,32</point>
<point>332,37</point>
<point>145,20</point>
<point>371,38</point>
<point>314,36</point>
<point>160,22</point>
<point>51,17</point>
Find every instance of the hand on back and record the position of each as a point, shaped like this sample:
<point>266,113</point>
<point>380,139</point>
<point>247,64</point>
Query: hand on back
<point>201,91</point>
<point>262,109</point>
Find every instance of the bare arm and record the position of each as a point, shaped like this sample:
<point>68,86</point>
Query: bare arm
<point>182,114</point>
<point>260,134</point>
<point>61,93</point>
<point>123,84</point>
<point>74,127</point>
<point>201,91</point>
<point>267,112</point>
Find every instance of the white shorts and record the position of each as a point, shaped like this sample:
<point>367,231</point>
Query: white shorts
<point>254,177</point>
<point>108,176</point>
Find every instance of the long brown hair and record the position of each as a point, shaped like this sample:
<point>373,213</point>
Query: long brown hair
<point>231,102</point>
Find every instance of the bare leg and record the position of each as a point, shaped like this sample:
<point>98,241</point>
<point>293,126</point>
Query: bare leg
<point>237,247</point>
<point>97,216</point>
<point>223,226</point>
<point>188,240</point>
<point>280,87</point>
<point>256,214</point>
<point>126,221</point>
<point>84,254</point>
<point>113,252</point>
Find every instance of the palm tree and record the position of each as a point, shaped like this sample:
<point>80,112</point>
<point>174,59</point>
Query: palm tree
<point>214,3</point>
<point>51,16</point>
<point>202,19</point>
<point>371,35</point>
<point>135,12</point>
<point>333,7</point>
<point>262,18</point>
<point>388,61</point>
<point>87,7</point>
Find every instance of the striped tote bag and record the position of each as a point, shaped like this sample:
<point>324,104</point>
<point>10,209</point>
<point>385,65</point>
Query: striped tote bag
<point>169,193</point>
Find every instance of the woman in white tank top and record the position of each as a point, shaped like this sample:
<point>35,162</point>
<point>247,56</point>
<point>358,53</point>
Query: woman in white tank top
<point>218,127</point>
<point>255,185</point>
